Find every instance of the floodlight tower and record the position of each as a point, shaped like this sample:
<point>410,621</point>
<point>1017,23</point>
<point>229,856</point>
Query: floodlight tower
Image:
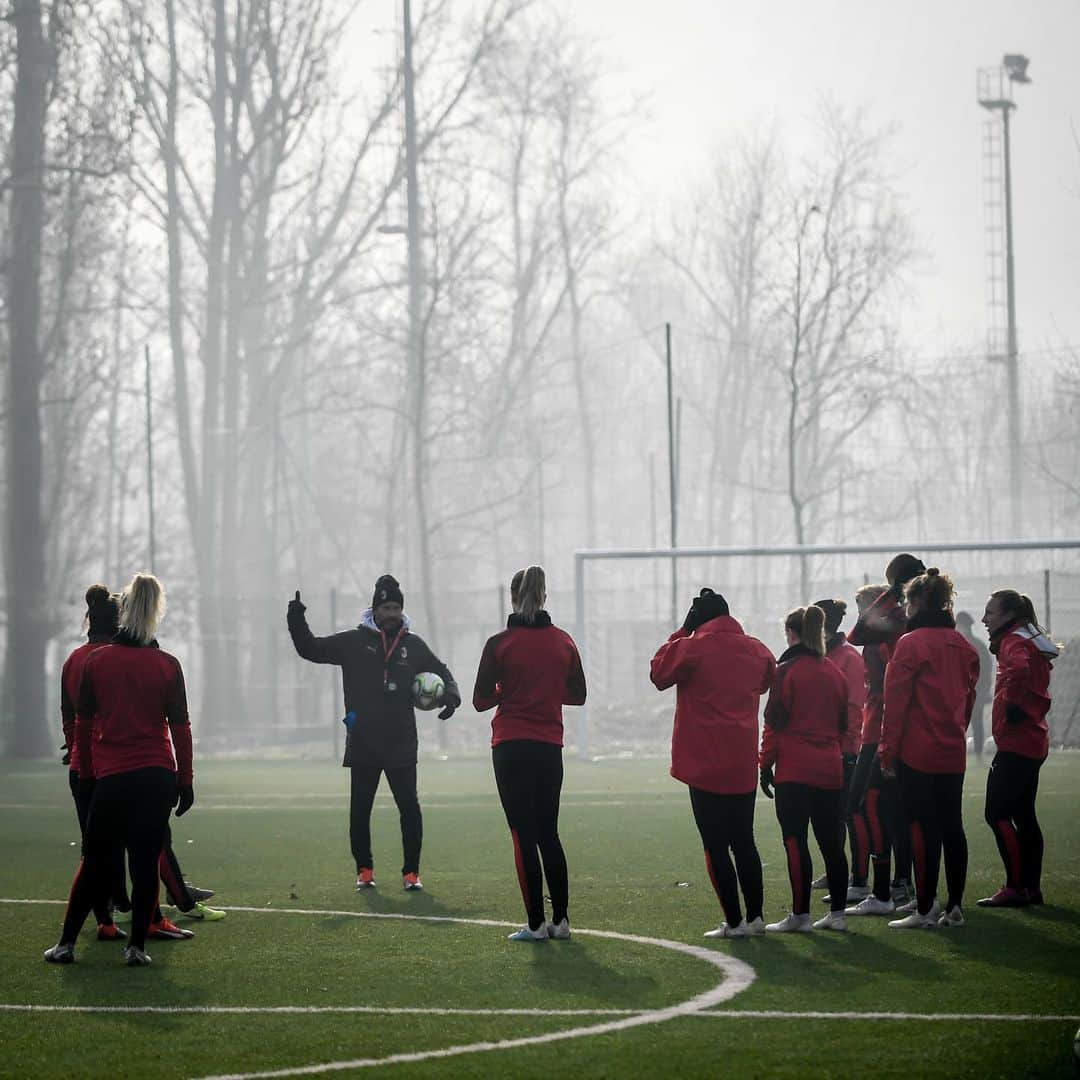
<point>995,93</point>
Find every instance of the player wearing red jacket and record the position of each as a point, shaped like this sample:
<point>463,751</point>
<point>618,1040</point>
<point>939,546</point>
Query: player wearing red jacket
<point>528,672</point>
<point>1021,702</point>
<point>872,796</point>
<point>719,673</point>
<point>132,719</point>
<point>929,694</point>
<point>850,662</point>
<point>102,615</point>
<point>805,721</point>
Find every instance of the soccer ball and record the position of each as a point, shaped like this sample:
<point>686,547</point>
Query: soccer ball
<point>427,691</point>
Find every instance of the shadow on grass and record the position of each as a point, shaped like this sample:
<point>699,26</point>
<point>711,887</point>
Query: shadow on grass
<point>582,966</point>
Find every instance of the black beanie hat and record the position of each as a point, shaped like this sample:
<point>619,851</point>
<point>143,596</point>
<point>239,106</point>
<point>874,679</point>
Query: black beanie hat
<point>903,568</point>
<point>387,590</point>
<point>709,605</point>
<point>834,613</point>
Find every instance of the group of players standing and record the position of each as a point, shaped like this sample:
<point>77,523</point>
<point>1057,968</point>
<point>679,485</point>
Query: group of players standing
<point>870,745</point>
<point>875,742</point>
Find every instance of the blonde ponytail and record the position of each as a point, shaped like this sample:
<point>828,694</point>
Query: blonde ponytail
<point>528,592</point>
<point>142,606</point>
<point>808,624</point>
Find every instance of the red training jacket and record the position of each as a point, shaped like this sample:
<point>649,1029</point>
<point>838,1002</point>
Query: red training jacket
<point>805,719</point>
<point>929,694</point>
<point>1023,682</point>
<point>720,673</point>
<point>529,672</point>
<point>70,677</point>
<point>131,700</point>
<point>875,660</point>
<point>849,661</point>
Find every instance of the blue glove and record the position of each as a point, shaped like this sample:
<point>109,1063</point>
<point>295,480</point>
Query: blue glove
<point>349,721</point>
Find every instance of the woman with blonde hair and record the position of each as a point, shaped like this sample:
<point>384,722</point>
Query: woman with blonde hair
<point>528,672</point>
<point>134,739</point>
<point>929,694</point>
<point>805,720</point>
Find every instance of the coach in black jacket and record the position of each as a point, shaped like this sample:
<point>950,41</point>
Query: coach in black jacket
<point>378,661</point>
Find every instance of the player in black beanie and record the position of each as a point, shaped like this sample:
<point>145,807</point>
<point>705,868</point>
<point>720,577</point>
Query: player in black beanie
<point>379,659</point>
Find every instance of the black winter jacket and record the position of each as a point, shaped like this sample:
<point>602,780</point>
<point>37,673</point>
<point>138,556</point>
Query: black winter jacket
<point>377,688</point>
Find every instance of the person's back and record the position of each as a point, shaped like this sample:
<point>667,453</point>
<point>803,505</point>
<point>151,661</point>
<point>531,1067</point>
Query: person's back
<point>929,694</point>
<point>805,718</point>
<point>130,692</point>
<point>528,672</point>
<point>720,673</point>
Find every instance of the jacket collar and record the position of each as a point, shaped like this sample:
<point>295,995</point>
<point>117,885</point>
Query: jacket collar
<point>793,652</point>
<point>367,621</point>
<point>542,620</point>
<point>1029,632</point>
<point>124,638</point>
<point>835,641</point>
<point>722,624</point>
<point>937,620</point>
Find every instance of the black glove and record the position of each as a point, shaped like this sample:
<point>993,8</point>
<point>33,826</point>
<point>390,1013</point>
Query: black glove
<point>1014,714</point>
<point>451,702</point>
<point>690,623</point>
<point>767,781</point>
<point>185,798</point>
<point>66,759</point>
<point>296,607</point>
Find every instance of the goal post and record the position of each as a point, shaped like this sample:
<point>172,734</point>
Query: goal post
<point>673,556</point>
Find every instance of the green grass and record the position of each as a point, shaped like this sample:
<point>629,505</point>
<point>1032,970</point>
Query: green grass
<point>273,835</point>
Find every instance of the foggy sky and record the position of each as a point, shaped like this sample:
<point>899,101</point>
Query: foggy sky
<point>717,69</point>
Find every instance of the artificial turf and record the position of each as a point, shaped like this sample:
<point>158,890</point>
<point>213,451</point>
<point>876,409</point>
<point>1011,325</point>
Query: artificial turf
<point>273,835</point>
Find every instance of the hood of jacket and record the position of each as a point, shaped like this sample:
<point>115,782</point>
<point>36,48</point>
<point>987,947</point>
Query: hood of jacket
<point>367,621</point>
<point>1031,632</point>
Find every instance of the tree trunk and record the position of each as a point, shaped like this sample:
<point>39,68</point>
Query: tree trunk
<point>27,623</point>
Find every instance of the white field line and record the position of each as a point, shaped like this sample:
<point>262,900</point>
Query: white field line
<point>739,976</point>
<point>538,1014</point>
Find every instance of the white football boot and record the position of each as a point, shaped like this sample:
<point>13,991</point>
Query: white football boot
<point>915,921</point>
<point>833,921</point>
<point>792,924</point>
<point>872,906</point>
<point>953,917</point>
<point>726,930</point>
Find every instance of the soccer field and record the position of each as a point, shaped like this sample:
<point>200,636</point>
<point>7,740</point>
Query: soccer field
<point>301,976</point>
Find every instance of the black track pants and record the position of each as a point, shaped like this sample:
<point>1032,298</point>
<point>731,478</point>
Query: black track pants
<point>857,829</point>
<point>726,825</point>
<point>529,777</point>
<point>172,876</point>
<point>798,806</point>
<point>934,808</point>
<point>1011,788</point>
<point>116,889</point>
<point>364,783</point>
<point>129,811</point>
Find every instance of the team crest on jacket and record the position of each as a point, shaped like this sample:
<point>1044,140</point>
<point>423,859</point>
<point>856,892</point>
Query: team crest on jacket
<point>404,652</point>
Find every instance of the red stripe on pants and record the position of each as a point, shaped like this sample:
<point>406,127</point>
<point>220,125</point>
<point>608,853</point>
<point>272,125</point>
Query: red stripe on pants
<point>873,819</point>
<point>712,877</point>
<point>1012,846</point>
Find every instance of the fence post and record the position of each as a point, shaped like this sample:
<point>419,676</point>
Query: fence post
<point>1046,597</point>
<point>579,638</point>
<point>335,733</point>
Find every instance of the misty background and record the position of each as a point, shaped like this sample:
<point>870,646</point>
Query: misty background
<point>215,281</point>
